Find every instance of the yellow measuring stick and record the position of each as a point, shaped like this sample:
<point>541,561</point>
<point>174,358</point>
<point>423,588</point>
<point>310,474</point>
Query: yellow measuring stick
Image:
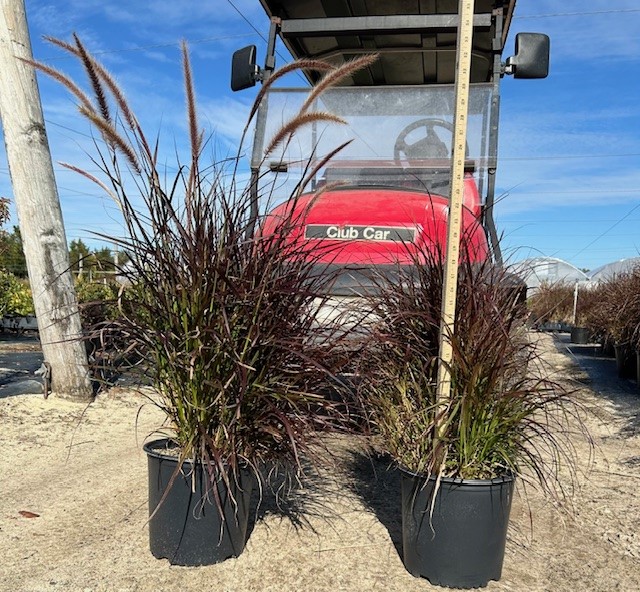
<point>449,288</point>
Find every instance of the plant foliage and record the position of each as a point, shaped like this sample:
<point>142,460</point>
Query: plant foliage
<point>552,302</point>
<point>614,314</point>
<point>15,295</point>
<point>222,317</point>
<point>502,415</point>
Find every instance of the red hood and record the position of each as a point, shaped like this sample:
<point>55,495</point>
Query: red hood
<point>377,226</point>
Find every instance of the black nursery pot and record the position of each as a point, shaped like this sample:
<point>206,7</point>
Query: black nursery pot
<point>625,361</point>
<point>186,525</point>
<point>462,543</point>
<point>580,335</point>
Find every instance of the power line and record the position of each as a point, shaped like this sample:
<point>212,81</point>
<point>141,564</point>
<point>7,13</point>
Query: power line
<point>75,131</point>
<point>260,34</point>
<point>502,158</point>
<point>566,235</point>
<point>607,191</point>
<point>247,20</point>
<point>590,13</point>
<point>633,209</point>
<point>283,58</point>
<point>556,221</point>
<point>152,46</point>
<point>570,156</point>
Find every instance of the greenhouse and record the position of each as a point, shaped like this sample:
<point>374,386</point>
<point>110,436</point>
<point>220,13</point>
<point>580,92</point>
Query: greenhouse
<point>549,270</point>
<point>615,268</point>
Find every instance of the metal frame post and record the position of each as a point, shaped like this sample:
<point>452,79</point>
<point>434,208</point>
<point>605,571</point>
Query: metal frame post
<point>487,211</point>
<point>261,123</point>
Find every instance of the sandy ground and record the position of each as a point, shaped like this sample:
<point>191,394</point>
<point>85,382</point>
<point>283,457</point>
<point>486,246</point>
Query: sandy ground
<point>73,497</point>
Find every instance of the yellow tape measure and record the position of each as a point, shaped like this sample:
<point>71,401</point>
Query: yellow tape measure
<point>449,290</point>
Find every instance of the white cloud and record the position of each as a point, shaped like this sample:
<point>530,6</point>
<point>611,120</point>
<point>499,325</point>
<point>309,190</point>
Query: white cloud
<point>547,185</point>
<point>581,153</point>
<point>226,117</point>
<point>164,20</point>
<point>608,34</point>
<point>48,16</point>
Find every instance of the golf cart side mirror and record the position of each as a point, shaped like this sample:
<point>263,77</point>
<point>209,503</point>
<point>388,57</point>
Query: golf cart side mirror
<point>244,71</point>
<point>532,56</point>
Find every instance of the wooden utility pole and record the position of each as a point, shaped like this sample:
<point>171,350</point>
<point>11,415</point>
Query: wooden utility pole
<point>39,213</point>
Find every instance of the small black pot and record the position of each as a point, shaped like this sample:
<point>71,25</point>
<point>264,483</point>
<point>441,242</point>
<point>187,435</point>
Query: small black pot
<point>607,348</point>
<point>462,543</point>
<point>580,335</point>
<point>625,361</point>
<point>186,525</point>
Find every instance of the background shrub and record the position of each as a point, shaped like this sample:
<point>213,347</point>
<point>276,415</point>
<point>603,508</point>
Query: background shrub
<point>15,295</point>
<point>551,303</point>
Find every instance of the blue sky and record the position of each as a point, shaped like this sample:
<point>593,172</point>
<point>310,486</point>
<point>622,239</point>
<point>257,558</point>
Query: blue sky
<point>569,172</point>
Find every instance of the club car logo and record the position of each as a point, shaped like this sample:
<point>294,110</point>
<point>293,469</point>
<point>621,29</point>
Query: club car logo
<point>367,233</point>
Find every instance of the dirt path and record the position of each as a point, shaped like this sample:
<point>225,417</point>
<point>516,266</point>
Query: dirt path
<point>82,472</point>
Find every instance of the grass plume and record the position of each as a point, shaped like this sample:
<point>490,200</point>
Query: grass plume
<point>287,131</point>
<point>221,320</point>
<point>335,77</point>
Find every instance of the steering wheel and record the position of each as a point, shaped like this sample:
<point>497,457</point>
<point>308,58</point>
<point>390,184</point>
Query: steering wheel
<point>429,146</point>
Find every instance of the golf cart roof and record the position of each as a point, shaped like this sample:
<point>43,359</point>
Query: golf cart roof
<point>416,39</point>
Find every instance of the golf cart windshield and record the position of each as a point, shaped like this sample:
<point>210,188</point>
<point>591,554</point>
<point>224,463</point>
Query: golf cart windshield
<point>399,137</point>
